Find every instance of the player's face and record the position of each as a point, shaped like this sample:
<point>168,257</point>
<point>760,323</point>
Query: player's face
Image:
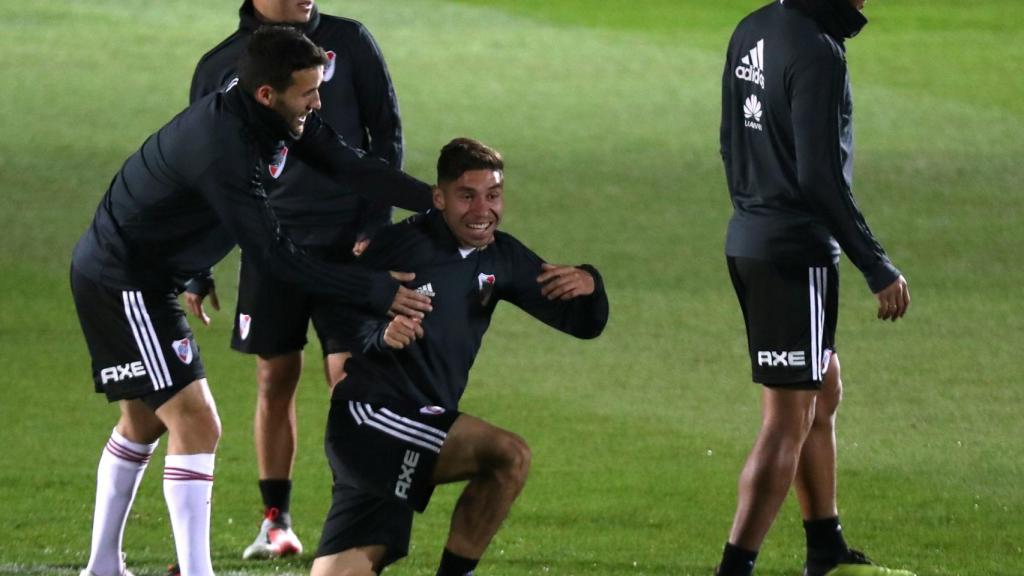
<point>858,4</point>
<point>301,98</point>
<point>472,206</point>
<point>284,11</point>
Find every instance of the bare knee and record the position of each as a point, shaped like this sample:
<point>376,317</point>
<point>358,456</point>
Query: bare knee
<point>138,422</point>
<point>278,377</point>
<point>788,416</point>
<point>192,420</point>
<point>511,464</point>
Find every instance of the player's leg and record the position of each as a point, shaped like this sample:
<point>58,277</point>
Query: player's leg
<point>121,467</point>
<point>141,349</point>
<point>360,561</point>
<point>496,463</point>
<point>193,431</point>
<point>782,311</point>
<point>815,481</point>
<point>334,369</point>
<point>271,321</point>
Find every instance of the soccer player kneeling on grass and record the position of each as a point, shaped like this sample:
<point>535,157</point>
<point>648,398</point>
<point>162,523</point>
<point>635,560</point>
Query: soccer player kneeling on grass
<point>394,430</point>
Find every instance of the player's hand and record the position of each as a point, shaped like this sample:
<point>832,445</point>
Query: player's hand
<point>894,300</point>
<point>564,282</point>
<point>194,303</point>
<point>409,302</point>
<point>360,246</point>
<point>402,331</point>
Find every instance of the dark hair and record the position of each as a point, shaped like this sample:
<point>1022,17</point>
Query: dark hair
<point>465,154</point>
<point>273,54</point>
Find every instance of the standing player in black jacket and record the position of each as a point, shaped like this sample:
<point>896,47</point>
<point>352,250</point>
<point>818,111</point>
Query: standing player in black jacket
<point>787,143</point>
<point>177,206</point>
<point>394,431</point>
<point>273,315</point>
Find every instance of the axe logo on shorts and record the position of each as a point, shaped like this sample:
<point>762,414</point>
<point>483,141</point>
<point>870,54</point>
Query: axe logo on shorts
<point>329,67</point>
<point>409,462</point>
<point>772,358</point>
<point>122,372</point>
<point>183,350</point>
<point>244,321</point>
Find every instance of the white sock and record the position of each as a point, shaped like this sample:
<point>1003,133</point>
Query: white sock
<point>117,479</point>
<point>188,487</point>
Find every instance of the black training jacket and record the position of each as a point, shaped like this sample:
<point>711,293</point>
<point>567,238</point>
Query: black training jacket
<point>787,139</point>
<point>358,101</point>
<point>434,370</point>
<point>198,185</point>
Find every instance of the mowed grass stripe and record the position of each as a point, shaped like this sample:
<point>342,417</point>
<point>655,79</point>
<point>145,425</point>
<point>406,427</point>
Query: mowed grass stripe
<point>611,139</point>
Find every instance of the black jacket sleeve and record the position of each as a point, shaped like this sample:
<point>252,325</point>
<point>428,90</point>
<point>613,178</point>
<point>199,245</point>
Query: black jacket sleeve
<point>393,249</point>
<point>817,84</point>
<point>372,178</point>
<point>378,107</point>
<point>248,217</point>
<point>583,317</point>
<point>378,104</point>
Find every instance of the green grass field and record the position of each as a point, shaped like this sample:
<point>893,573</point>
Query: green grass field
<point>607,112</point>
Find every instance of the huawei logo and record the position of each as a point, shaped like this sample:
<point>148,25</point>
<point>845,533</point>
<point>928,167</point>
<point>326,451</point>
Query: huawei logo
<point>752,108</point>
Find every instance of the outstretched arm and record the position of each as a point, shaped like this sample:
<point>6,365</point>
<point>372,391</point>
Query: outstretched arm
<point>568,298</point>
<point>371,178</point>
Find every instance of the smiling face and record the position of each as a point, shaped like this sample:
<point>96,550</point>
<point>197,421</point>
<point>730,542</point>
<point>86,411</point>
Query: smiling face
<point>295,103</point>
<point>284,11</point>
<point>472,205</point>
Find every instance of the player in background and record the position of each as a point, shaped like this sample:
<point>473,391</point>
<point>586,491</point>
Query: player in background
<point>178,205</point>
<point>787,143</point>
<point>395,431</point>
<point>272,316</point>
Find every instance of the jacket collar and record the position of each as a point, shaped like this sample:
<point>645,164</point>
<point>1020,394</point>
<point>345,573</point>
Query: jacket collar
<point>837,17</point>
<point>267,126</point>
<point>440,231</point>
<point>442,234</point>
<point>249,22</point>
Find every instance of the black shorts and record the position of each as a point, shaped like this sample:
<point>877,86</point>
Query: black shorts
<point>790,311</point>
<point>382,458</point>
<point>272,316</point>
<point>140,344</point>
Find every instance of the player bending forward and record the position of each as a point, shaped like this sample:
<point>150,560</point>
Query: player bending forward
<point>394,430</point>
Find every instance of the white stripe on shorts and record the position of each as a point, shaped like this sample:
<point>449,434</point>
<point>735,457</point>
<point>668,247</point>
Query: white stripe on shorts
<point>817,286</point>
<point>146,339</point>
<point>421,435</point>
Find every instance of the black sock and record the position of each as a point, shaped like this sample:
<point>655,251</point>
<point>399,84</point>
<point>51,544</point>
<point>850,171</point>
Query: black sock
<point>454,565</point>
<point>277,494</point>
<point>736,561</point>
<point>825,542</point>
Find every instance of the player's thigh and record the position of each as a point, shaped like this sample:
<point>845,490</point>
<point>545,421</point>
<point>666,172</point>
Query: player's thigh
<point>334,368</point>
<point>337,332</point>
<point>192,411</point>
<point>474,446</point>
<point>139,423</point>
<point>362,561</point>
